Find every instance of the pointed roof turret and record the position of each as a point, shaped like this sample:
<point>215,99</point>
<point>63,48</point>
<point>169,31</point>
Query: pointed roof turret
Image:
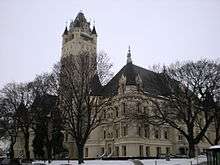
<point>93,30</point>
<point>65,31</point>
<point>80,20</point>
<point>129,55</point>
<point>81,23</point>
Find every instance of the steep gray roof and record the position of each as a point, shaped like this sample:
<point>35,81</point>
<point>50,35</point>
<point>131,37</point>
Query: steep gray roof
<point>152,82</point>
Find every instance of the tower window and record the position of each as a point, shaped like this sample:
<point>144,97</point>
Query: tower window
<point>116,112</point>
<point>125,130</point>
<point>66,137</point>
<point>180,137</point>
<point>123,108</point>
<point>138,107</point>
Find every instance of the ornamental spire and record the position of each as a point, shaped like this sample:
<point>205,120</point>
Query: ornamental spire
<point>129,55</point>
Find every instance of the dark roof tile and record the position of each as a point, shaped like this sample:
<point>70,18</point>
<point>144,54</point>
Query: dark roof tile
<point>152,82</point>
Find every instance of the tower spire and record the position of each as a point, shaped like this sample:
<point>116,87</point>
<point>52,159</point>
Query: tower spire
<point>65,31</point>
<point>129,55</point>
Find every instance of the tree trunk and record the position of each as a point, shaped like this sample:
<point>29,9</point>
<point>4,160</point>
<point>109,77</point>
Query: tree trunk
<point>49,150</point>
<point>80,149</point>
<point>26,145</point>
<point>11,153</point>
<point>11,150</point>
<point>191,152</point>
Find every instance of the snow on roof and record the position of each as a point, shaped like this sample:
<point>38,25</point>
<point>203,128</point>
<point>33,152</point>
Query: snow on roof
<point>215,147</point>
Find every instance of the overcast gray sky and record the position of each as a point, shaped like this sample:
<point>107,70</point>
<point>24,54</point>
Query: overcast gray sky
<point>158,31</point>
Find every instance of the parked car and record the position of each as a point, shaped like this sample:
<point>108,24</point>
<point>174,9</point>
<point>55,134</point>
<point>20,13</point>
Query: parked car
<point>10,162</point>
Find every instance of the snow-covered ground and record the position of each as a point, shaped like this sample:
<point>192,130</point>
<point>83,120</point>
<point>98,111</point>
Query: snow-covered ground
<point>4,144</point>
<point>128,162</point>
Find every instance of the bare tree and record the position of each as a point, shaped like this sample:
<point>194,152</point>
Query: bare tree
<point>80,102</point>
<point>14,97</point>
<point>46,83</point>
<point>104,68</point>
<point>189,106</point>
<point>190,101</point>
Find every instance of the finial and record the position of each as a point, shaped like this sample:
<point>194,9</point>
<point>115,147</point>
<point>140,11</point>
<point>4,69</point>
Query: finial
<point>66,23</point>
<point>129,55</point>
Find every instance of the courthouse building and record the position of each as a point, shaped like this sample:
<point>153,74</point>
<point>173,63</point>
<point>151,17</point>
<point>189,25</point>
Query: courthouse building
<point>130,89</point>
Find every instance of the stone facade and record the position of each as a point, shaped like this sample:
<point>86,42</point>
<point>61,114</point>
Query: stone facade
<point>126,139</point>
<point>79,37</point>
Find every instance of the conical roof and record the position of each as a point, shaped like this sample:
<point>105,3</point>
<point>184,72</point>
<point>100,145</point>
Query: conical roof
<point>65,31</point>
<point>80,20</point>
<point>93,30</point>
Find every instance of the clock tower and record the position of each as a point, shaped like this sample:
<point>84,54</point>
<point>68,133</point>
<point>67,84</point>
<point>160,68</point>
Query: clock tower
<point>79,37</point>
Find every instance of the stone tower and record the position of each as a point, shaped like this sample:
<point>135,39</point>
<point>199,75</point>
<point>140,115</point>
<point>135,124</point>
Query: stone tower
<point>79,37</point>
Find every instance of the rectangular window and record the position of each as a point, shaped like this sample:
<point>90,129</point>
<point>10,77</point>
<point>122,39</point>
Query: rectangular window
<point>167,150</point>
<point>109,149</point>
<point>86,152</point>
<point>165,134</point>
<point>124,151</point>
<point>147,151</point>
<point>104,134</point>
<point>116,133</point>
<point>116,112</point>
<point>156,134</point>
<point>66,138</point>
<point>116,151</point>
<point>158,151</point>
<point>138,107</point>
<point>125,130</point>
<point>102,150</point>
<point>123,108</point>
<point>147,132</point>
<point>180,137</point>
<point>139,131</point>
<point>141,153</point>
<point>104,114</point>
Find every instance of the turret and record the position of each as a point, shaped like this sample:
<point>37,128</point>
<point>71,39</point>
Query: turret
<point>65,35</point>
<point>94,34</point>
<point>122,84</point>
<point>130,80</point>
<point>79,37</point>
<point>139,83</point>
<point>129,56</point>
<point>80,24</point>
<point>94,31</point>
